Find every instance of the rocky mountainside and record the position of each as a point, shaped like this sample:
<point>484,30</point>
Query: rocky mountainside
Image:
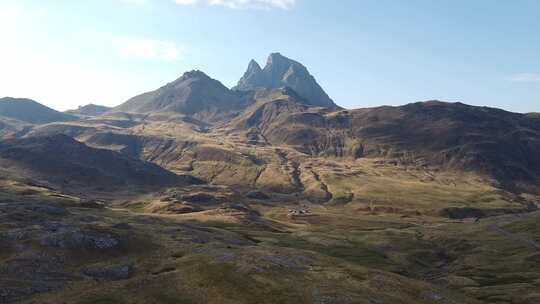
<point>89,110</point>
<point>30,111</point>
<point>194,94</point>
<point>503,145</point>
<point>271,110</point>
<point>281,71</point>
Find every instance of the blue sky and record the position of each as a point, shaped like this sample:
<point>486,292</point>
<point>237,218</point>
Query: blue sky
<point>364,53</point>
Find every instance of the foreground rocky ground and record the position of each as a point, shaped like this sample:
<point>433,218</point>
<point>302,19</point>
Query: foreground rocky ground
<point>59,248</point>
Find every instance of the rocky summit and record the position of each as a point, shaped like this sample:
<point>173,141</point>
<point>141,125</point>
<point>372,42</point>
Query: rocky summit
<point>267,193</point>
<point>280,72</point>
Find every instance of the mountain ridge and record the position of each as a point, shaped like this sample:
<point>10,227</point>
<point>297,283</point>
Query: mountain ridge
<point>194,93</point>
<point>502,144</point>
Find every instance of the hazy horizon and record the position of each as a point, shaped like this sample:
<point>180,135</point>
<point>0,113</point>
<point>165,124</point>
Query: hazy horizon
<point>364,54</point>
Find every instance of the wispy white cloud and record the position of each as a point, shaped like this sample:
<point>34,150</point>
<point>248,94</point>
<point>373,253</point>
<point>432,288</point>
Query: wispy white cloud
<point>232,4</point>
<point>136,2</point>
<point>186,2</point>
<point>149,49</point>
<point>10,13</point>
<point>526,78</point>
<point>13,16</point>
<point>243,4</point>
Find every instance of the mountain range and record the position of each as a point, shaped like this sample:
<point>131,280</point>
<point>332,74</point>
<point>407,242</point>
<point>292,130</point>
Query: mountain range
<point>268,192</point>
<point>282,105</point>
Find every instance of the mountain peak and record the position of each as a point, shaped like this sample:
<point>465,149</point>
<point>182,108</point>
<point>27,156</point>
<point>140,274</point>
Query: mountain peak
<point>194,74</point>
<point>254,66</point>
<point>276,57</point>
<point>281,71</point>
<point>195,94</point>
<point>253,77</point>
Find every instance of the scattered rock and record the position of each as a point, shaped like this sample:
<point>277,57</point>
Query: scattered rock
<point>17,234</point>
<point>532,299</point>
<point>299,212</point>
<point>259,195</point>
<point>432,296</point>
<point>345,199</point>
<point>459,282</point>
<point>163,270</point>
<point>183,208</point>
<point>34,273</point>
<point>92,204</point>
<point>47,209</point>
<point>319,298</point>
<point>292,262</point>
<point>110,273</point>
<point>123,226</point>
<point>535,258</point>
<point>462,213</point>
<point>88,218</point>
<point>51,226</point>
<point>199,198</point>
<point>244,208</point>
<point>77,239</point>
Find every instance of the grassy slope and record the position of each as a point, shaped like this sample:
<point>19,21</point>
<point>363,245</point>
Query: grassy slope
<point>378,240</point>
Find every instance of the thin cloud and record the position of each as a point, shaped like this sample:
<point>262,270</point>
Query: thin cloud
<point>526,78</point>
<point>186,2</point>
<point>10,12</point>
<point>243,4</point>
<point>136,2</point>
<point>13,16</point>
<point>232,4</point>
<point>150,49</point>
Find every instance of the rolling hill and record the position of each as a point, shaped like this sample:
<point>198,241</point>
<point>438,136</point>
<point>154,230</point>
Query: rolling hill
<point>30,111</point>
<point>68,164</point>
